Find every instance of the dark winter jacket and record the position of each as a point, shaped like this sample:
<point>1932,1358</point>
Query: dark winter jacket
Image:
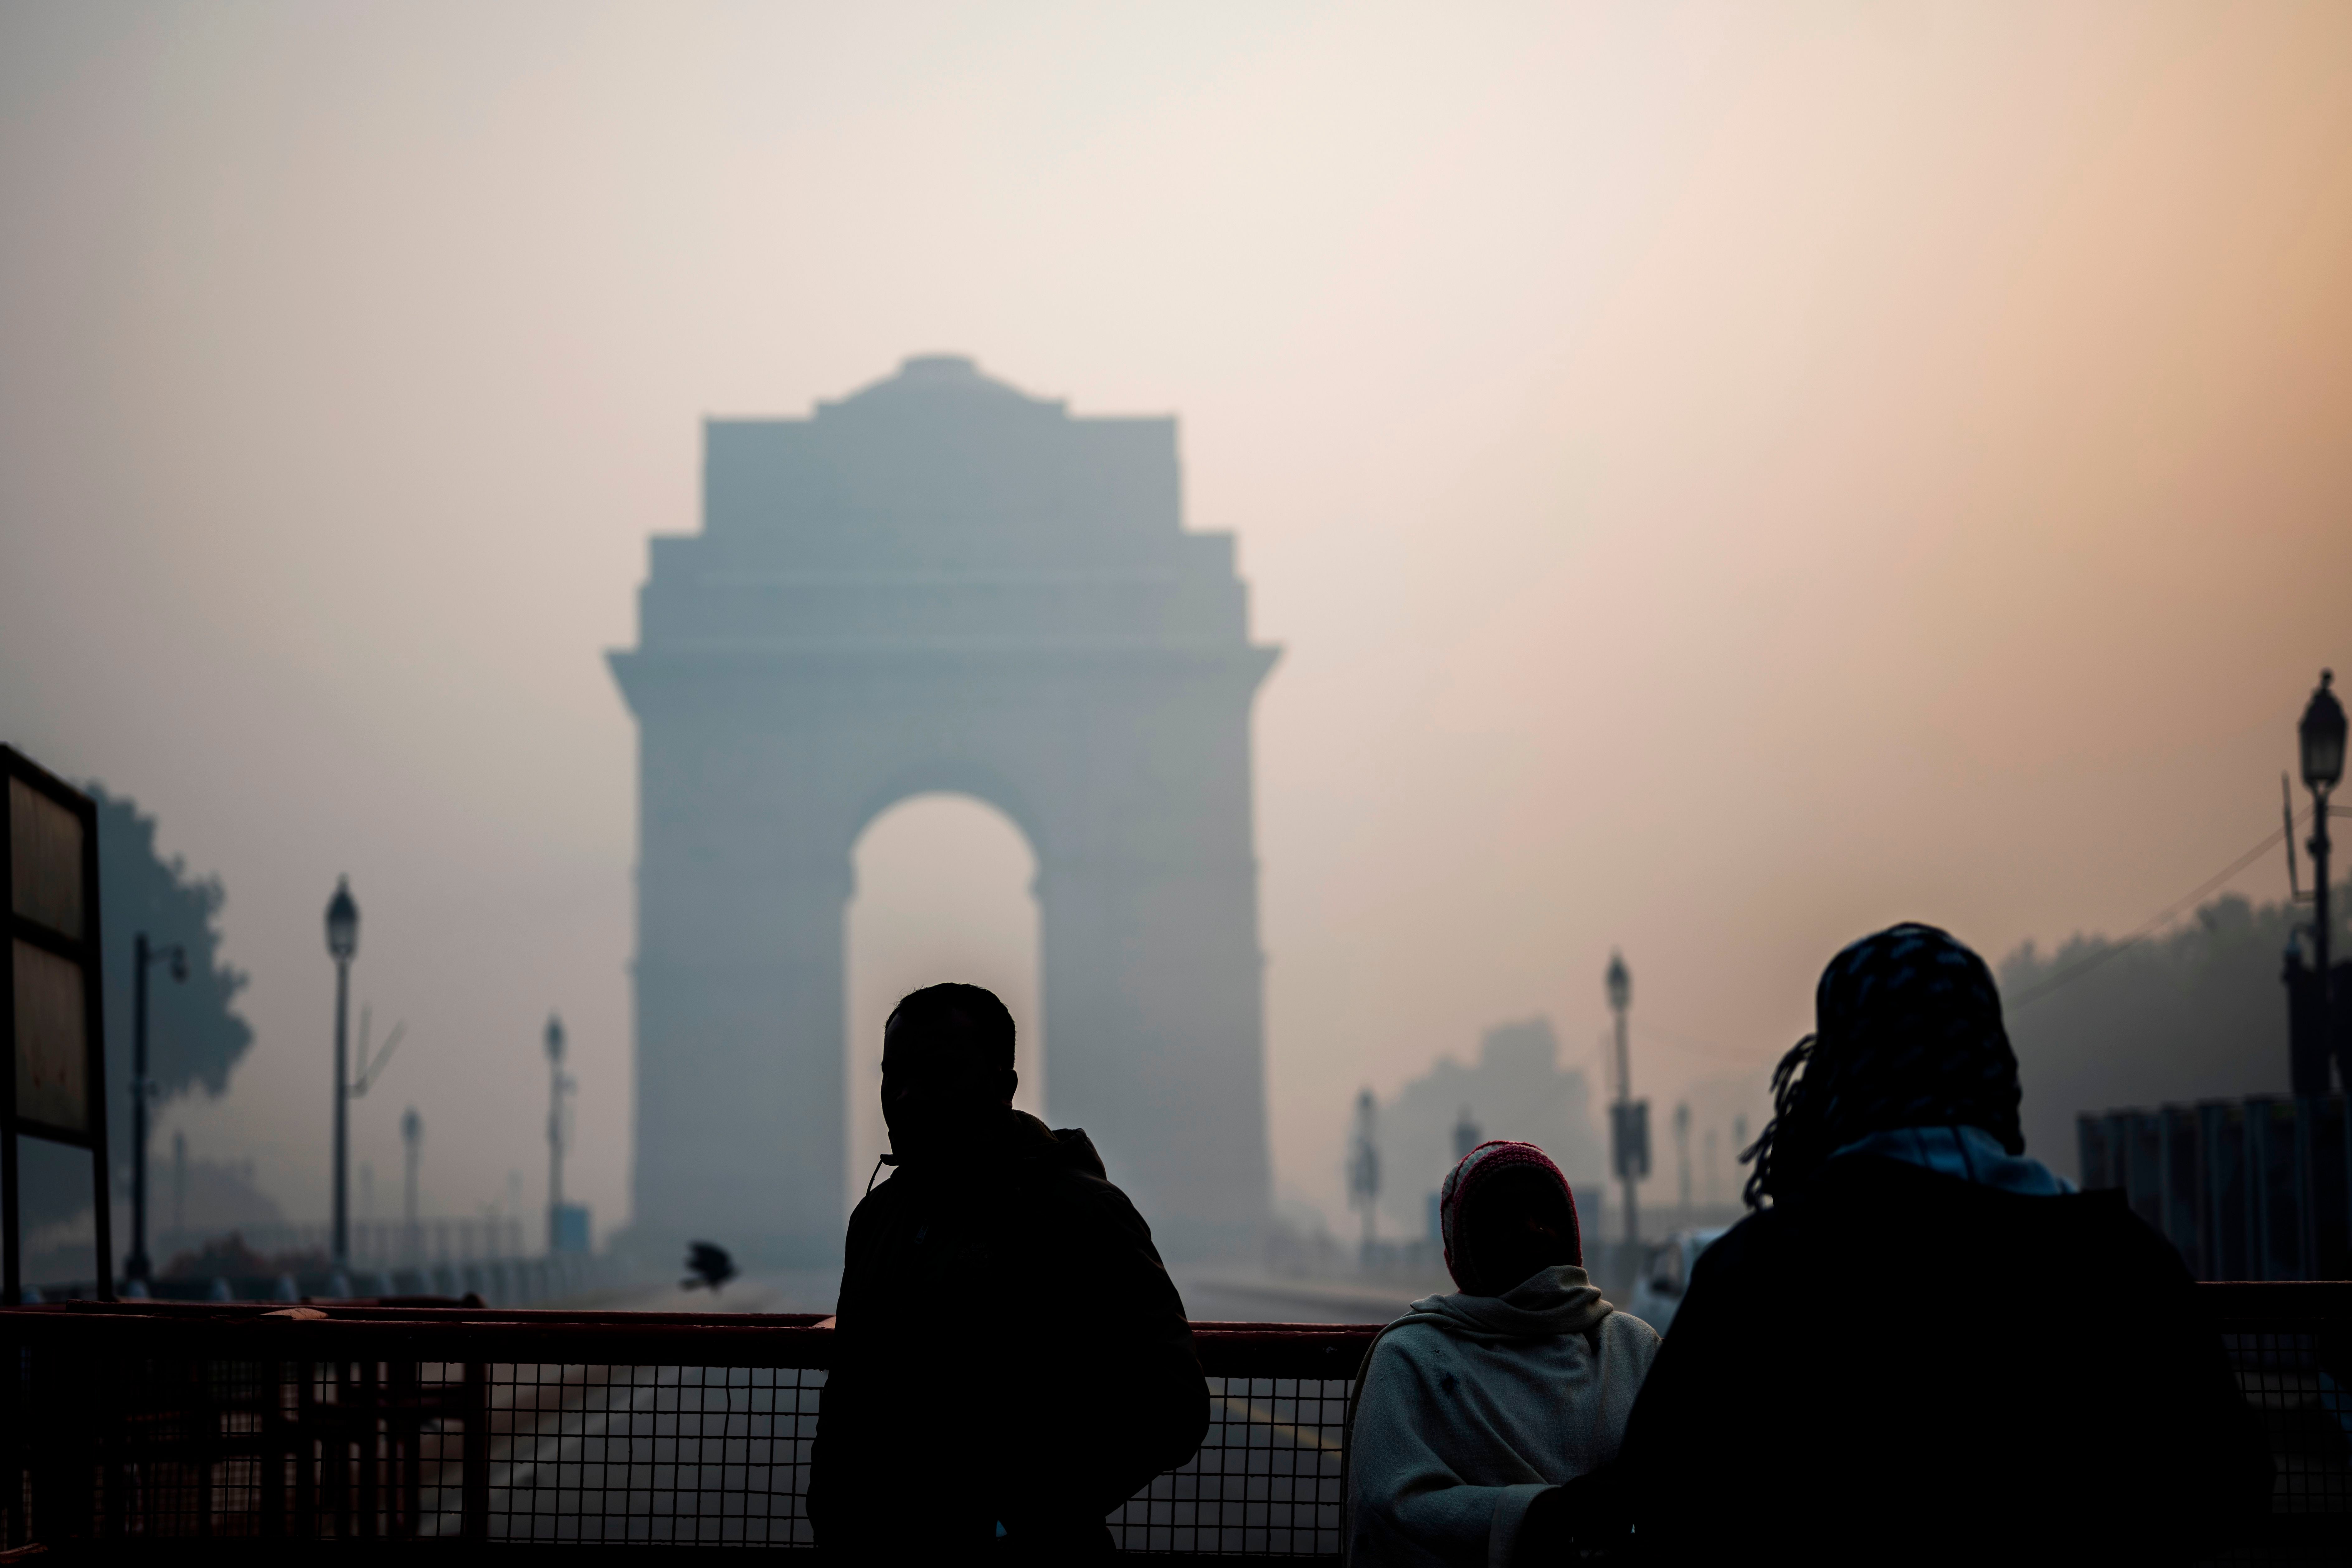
<point>1010,1350</point>
<point>1895,1366</point>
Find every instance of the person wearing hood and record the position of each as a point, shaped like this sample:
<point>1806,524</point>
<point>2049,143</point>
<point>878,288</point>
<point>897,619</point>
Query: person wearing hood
<point>1472,1409</point>
<point>2016,1372</point>
<point>1010,1360</point>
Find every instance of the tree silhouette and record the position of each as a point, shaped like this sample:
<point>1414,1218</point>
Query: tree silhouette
<point>2195,1012</point>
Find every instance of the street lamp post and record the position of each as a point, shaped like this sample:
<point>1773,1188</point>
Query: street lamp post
<point>411,1134</point>
<point>2321,738</point>
<point>342,941</point>
<point>1681,1158</point>
<point>1364,1167</point>
<point>558,1082</point>
<point>135,1266</point>
<point>1628,1121</point>
<point>1466,1136</point>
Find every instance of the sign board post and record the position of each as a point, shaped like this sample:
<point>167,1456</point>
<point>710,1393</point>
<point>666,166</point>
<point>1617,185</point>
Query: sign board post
<point>51,998</point>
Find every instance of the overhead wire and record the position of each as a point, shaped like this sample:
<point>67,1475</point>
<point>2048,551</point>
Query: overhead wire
<point>2075,972</point>
<point>2063,977</point>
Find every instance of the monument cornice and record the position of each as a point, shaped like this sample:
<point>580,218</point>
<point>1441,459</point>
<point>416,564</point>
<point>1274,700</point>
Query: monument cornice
<point>640,668</point>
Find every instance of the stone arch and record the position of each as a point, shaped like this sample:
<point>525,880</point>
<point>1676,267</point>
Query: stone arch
<point>913,921</point>
<point>951,775</point>
<point>942,583</point>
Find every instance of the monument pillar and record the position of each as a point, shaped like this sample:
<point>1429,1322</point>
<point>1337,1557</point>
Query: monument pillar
<point>740,1078</point>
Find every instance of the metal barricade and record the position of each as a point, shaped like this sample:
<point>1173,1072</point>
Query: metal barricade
<point>2291,1344</point>
<point>169,1422</point>
<point>423,1431</point>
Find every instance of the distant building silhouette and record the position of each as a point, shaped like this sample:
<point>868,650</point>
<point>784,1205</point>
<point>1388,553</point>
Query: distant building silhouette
<point>942,583</point>
<point>1516,1089</point>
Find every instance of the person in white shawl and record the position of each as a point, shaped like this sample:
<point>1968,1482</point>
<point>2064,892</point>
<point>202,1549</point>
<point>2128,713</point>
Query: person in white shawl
<point>1472,1409</point>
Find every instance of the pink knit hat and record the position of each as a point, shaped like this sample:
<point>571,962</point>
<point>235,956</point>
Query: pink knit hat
<point>1475,1175</point>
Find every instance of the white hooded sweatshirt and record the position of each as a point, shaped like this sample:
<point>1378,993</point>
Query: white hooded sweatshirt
<point>1468,1406</point>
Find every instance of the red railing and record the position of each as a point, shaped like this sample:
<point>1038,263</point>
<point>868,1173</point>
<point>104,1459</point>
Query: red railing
<point>157,1421</point>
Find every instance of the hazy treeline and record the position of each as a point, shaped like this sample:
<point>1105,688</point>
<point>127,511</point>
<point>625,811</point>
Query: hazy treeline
<point>2196,1014</point>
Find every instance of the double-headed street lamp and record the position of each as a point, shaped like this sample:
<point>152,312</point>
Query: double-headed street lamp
<point>2321,735</point>
<point>135,1266</point>
<point>342,941</point>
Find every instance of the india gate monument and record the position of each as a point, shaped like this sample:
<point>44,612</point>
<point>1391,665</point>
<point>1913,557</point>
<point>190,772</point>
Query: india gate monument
<point>941,584</point>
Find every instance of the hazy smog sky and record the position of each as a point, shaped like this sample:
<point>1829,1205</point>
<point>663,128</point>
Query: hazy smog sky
<point>1725,477</point>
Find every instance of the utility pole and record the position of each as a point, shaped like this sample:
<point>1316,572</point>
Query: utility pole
<point>136,1267</point>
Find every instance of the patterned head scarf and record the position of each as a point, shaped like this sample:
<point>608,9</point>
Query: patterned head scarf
<point>1470,1182</point>
<point>1906,1032</point>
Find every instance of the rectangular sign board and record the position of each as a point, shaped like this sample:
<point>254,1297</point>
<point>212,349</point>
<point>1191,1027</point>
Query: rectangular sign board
<point>1629,1140</point>
<point>52,1050</point>
<point>55,1087</point>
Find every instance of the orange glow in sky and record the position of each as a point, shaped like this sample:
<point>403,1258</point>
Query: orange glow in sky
<point>1725,477</point>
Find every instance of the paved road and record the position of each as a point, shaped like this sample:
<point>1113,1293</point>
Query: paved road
<point>1232,1296</point>
<point>774,1291</point>
<point>669,1454</point>
<point>653,1454</point>
<point>1210,1296</point>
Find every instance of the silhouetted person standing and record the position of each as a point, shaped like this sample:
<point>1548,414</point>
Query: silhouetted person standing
<point>1011,1360</point>
<point>1928,1348</point>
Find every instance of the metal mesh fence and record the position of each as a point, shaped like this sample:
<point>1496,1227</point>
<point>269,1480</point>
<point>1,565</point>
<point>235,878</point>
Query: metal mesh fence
<point>688,1455</point>
<point>422,1427</point>
<point>2307,1415</point>
<point>720,1455</point>
<point>569,1450</point>
<point>1265,1482</point>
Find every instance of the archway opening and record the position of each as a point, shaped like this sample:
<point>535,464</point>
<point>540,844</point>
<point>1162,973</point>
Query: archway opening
<point>943,891</point>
